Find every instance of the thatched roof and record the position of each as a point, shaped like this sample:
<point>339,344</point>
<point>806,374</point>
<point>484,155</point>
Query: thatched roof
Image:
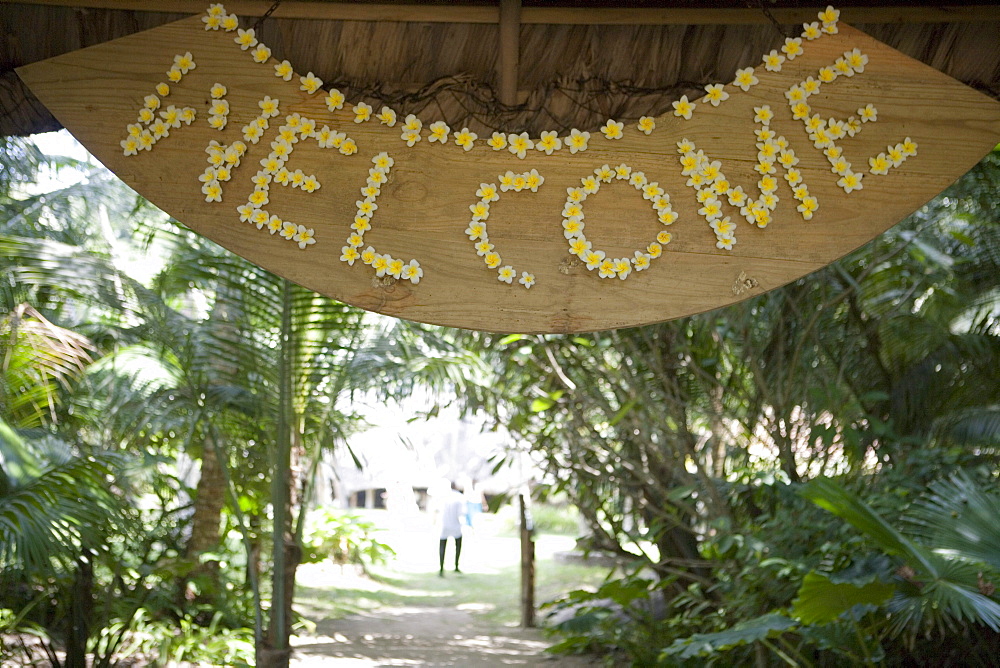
<point>579,63</point>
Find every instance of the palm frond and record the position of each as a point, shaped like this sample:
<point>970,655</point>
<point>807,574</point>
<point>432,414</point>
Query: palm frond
<point>959,518</point>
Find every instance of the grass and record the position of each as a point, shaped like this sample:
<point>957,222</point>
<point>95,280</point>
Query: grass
<point>489,586</point>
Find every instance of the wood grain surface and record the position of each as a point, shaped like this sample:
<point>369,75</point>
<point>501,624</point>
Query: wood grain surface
<point>424,208</point>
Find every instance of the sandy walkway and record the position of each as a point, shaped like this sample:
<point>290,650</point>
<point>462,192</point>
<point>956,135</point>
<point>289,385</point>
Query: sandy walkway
<point>414,618</point>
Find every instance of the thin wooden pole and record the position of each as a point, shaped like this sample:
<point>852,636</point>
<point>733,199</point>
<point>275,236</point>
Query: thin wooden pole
<point>510,50</point>
<point>527,565</point>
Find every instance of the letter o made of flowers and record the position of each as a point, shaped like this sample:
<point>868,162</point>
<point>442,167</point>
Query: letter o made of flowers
<point>573,222</point>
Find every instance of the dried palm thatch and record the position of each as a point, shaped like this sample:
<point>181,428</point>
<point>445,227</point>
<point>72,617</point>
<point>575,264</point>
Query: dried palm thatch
<point>572,73</point>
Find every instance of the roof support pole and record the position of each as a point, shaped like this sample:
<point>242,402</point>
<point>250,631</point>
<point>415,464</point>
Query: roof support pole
<point>510,49</point>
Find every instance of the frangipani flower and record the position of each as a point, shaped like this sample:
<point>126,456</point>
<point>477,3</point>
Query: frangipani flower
<point>520,144</point>
<point>527,280</point>
<point>476,230</point>
<point>411,137</point>
<point>605,173</point>
<point>310,83</point>
<point>613,129</point>
<point>498,141</point>
<point>245,38</point>
<point>880,164</point>
<point>334,99</point>
<point>261,53</point>
<point>383,161</point>
<point>579,246</point>
<point>868,113</point>
<point>647,124</point>
<point>792,47</point>
<point>763,114</point>
<point>130,145</point>
<point>184,63</point>
<point>851,181</point>
<point>283,70</point>
<point>162,89</point>
<point>745,78</point>
<point>411,122</point>
<point>593,258</point>
<point>641,261</point>
<point>638,179</point>
<point>362,112</point>
<point>773,61</point>
<point>349,254</point>
<point>387,116</point>
<point>577,141</point>
<point>856,60</point>
<point>412,272</point>
<point>212,191</point>
<point>532,180</point>
<point>480,210</point>
<point>439,132</point>
<point>506,274</point>
<point>715,95</point>
<point>466,138</point>
<point>304,236</point>
<point>829,15</point>
<point>483,247</point>
<point>893,153</point>
<point>683,108</point>
<point>549,142</point>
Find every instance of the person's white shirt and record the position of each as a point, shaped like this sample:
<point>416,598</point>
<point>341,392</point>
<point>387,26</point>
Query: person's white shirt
<point>451,514</point>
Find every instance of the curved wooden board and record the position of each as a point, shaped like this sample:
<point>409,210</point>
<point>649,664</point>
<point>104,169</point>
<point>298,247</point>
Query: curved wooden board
<point>423,210</point>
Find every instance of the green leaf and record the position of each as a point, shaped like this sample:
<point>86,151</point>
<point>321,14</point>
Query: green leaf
<point>959,518</point>
<point>821,601</point>
<point>623,411</point>
<point>832,497</point>
<point>541,404</point>
<point>702,644</point>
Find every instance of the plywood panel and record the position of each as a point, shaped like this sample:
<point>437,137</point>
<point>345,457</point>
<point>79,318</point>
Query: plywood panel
<point>423,210</point>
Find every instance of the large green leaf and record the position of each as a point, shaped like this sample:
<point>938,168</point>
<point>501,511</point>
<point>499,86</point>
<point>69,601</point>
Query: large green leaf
<point>833,497</point>
<point>960,519</point>
<point>821,600</point>
<point>704,644</point>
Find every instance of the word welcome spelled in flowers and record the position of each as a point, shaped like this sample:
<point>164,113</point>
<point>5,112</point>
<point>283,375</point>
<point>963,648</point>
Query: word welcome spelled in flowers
<point>713,190</point>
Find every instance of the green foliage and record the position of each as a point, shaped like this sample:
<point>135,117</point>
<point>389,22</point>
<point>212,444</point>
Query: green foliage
<point>821,600</point>
<point>344,538</point>
<point>750,631</point>
<point>186,641</point>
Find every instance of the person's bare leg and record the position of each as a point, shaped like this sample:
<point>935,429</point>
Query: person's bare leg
<point>443,544</point>
<point>458,553</point>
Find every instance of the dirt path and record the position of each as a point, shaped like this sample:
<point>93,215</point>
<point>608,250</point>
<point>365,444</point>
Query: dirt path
<point>425,636</point>
<point>408,616</point>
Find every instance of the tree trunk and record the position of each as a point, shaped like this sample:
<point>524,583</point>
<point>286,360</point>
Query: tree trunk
<point>81,610</point>
<point>209,498</point>
<point>208,502</point>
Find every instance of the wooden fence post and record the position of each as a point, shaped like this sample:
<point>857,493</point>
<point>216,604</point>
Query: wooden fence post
<point>527,565</point>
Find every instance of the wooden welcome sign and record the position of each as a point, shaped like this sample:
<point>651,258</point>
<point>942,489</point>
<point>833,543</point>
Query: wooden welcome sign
<point>805,155</point>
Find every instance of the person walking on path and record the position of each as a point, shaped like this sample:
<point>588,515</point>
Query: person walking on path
<point>452,509</point>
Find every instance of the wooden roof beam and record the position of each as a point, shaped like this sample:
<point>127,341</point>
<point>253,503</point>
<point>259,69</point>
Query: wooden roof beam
<point>343,11</point>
